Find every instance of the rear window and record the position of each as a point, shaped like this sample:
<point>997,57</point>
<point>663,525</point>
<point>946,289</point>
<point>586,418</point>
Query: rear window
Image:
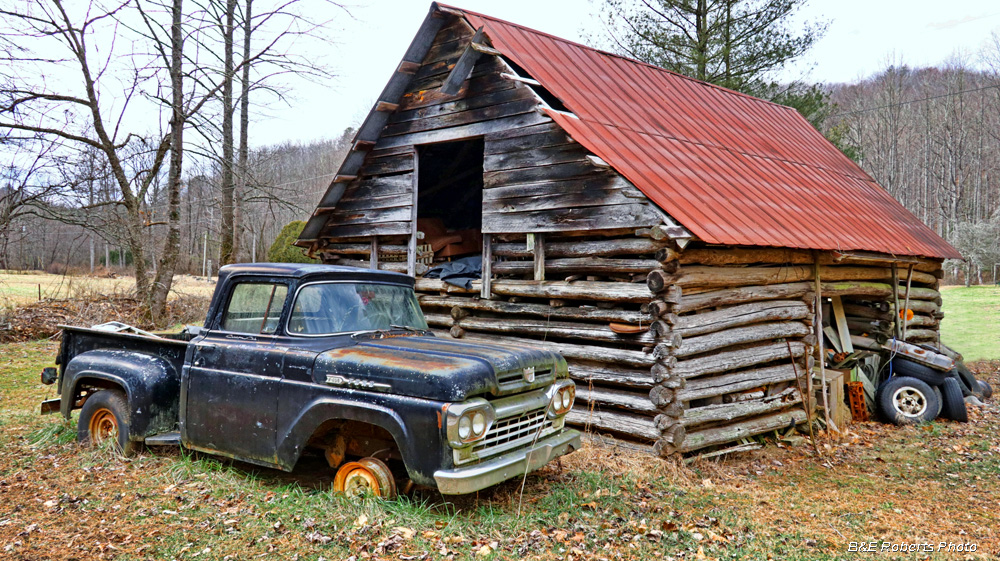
<point>255,308</point>
<point>326,308</point>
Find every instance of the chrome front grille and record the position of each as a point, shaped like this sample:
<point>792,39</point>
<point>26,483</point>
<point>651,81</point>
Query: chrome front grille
<point>510,433</point>
<point>521,420</point>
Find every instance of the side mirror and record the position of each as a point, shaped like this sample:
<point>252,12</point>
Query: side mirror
<point>49,375</point>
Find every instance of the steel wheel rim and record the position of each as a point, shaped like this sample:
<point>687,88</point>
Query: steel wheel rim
<point>909,401</point>
<point>103,425</point>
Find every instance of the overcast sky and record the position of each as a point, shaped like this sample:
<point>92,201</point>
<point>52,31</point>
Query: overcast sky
<point>862,36</point>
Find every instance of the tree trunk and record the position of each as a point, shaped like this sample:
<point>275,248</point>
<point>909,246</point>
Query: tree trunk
<point>227,246</point>
<point>171,246</point>
<point>244,150</point>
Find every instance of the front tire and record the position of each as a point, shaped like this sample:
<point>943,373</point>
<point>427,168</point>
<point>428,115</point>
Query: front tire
<point>105,418</point>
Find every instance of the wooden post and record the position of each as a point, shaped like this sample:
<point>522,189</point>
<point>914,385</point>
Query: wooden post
<point>373,257</point>
<point>895,299</point>
<point>906,302</point>
<point>411,250</point>
<point>539,257</point>
<point>821,358</point>
<point>487,288</point>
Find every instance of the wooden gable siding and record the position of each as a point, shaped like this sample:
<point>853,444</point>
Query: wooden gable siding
<point>536,179</point>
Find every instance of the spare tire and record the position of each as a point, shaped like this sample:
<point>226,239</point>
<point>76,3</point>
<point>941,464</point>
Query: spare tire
<point>986,388</point>
<point>904,367</point>
<point>954,403</point>
<point>969,385</point>
<point>904,400</point>
<point>940,396</point>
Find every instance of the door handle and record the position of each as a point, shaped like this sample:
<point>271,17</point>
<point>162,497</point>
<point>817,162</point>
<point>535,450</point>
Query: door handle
<point>201,351</point>
<point>207,348</point>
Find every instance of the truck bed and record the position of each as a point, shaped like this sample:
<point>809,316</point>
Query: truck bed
<point>78,340</point>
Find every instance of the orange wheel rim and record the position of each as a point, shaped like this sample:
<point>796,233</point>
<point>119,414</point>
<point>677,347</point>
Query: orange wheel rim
<point>355,480</point>
<point>103,425</point>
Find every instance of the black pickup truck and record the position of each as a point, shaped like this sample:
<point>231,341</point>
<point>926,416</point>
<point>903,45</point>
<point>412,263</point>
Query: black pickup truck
<point>335,359</point>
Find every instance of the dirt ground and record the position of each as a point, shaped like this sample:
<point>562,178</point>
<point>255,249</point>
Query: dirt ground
<point>934,484</point>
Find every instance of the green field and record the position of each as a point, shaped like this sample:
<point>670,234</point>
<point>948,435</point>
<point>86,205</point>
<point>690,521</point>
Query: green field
<point>971,323</point>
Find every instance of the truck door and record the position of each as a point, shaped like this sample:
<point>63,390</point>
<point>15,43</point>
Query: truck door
<point>230,391</point>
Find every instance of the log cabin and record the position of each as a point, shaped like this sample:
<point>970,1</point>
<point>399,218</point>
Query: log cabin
<point>676,241</point>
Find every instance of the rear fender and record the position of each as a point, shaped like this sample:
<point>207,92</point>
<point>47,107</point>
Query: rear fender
<point>149,383</point>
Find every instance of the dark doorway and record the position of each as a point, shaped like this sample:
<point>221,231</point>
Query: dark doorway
<point>450,196</point>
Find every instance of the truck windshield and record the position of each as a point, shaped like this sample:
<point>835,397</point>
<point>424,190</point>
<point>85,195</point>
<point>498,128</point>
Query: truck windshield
<point>325,308</point>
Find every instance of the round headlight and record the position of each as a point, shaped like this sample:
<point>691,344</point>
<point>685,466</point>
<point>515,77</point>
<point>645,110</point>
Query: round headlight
<point>478,423</point>
<point>567,399</point>
<point>464,427</point>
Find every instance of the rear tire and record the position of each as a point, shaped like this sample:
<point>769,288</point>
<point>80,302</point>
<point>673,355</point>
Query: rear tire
<point>903,400</point>
<point>954,403</point>
<point>105,417</point>
<point>968,380</point>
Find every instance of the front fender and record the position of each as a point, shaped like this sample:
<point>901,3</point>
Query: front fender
<point>413,423</point>
<point>149,382</point>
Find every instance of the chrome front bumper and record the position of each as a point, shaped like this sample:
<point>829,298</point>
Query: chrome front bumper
<point>470,479</point>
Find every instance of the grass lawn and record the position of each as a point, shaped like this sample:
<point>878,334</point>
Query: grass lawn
<point>931,484</point>
<point>971,323</point>
<point>18,288</point>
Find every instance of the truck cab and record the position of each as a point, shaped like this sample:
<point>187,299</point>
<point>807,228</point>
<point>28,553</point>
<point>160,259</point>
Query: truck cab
<point>295,357</point>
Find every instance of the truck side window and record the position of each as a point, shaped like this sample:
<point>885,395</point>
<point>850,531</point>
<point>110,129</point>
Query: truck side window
<point>255,308</point>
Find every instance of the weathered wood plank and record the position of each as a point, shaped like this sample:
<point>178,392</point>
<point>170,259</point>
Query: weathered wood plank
<point>735,360</point>
<point>592,314</point>
<point>690,303</point>
<point>593,353</point>
<point>375,202</point>
<point>616,375</point>
<point>572,219</point>
<point>634,426</point>
<point>361,230</point>
<point>589,248</point>
<point>548,173</point>
<point>558,200</point>
<point>742,314</point>
<point>598,182</point>
<point>716,277</point>
<point>469,116</point>
<point>744,429</point>
<point>424,93</point>
<point>538,136</point>
<point>582,265</point>
<point>369,215</point>
<point>545,330</point>
<point>741,336</point>
<point>536,156</point>
<point>462,131</point>
<point>472,101</point>
<point>711,386</point>
<point>725,412</point>
<point>622,399</point>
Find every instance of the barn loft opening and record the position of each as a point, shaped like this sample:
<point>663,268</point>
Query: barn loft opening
<point>450,196</point>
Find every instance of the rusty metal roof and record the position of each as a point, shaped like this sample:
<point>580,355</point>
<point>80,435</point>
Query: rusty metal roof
<point>731,168</point>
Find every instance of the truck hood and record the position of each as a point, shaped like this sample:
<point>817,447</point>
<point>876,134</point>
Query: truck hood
<point>436,368</point>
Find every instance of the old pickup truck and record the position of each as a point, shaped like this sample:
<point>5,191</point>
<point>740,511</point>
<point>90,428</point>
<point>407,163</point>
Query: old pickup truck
<point>336,360</point>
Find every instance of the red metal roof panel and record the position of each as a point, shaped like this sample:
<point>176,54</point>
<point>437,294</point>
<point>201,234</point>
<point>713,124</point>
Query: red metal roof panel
<point>730,168</point>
